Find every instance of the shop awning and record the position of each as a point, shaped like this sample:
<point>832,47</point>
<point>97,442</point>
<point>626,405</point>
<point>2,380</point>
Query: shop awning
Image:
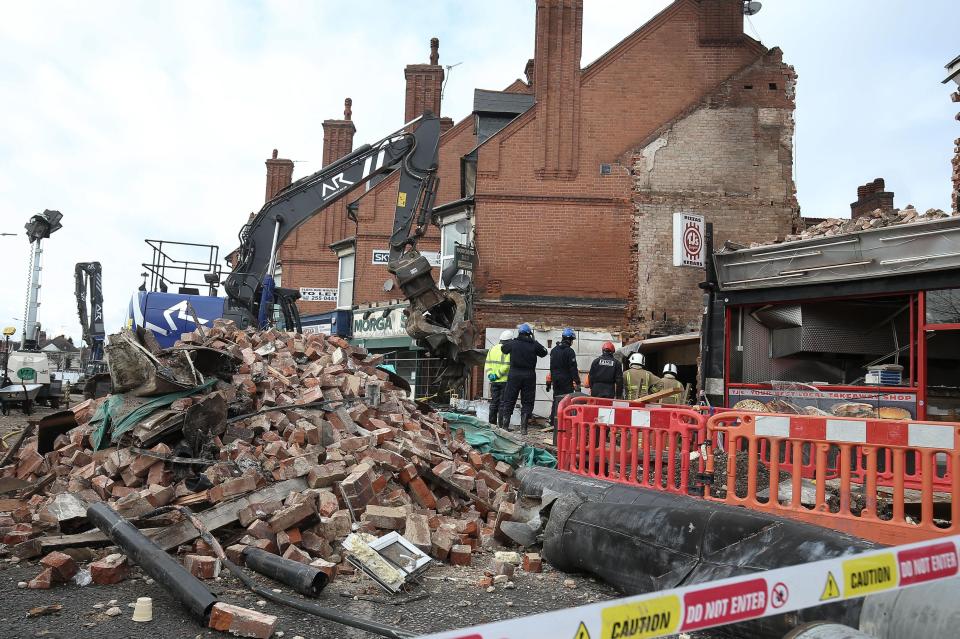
<point>387,342</point>
<point>655,344</point>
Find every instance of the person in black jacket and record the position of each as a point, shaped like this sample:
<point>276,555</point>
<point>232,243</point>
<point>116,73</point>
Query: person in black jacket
<point>564,375</point>
<point>522,378</point>
<point>606,374</point>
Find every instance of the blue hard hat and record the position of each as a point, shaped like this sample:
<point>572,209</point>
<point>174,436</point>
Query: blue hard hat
<point>524,329</point>
<point>568,332</point>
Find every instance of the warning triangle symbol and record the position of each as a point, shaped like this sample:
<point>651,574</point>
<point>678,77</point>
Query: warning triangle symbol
<point>582,632</point>
<point>830,589</point>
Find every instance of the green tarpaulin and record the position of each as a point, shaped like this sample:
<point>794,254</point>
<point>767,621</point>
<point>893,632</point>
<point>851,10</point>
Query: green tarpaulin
<point>134,417</point>
<point>485,439</point>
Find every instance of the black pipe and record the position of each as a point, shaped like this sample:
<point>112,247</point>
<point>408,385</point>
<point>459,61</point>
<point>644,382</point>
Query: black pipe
<point>306,580</point>
<point>305,606</point>
<point>166,570</point>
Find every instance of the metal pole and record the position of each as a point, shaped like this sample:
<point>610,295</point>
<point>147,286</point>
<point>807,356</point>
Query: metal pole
<point>29,334</point>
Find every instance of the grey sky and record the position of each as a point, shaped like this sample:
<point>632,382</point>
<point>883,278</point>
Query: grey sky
<point>140,119</point>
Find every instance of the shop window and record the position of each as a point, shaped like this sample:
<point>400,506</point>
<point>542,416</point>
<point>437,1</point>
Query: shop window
<point>451,234</point>
<point>943,375</point>
<point>943,306</point>
<point>345,281</point>
<point>822,343</point>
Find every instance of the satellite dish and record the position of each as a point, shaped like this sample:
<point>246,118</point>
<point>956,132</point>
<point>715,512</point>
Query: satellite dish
<point>751,8</point>
<point>462,226</point>
<point>388,285</point>
<point>460,282</point>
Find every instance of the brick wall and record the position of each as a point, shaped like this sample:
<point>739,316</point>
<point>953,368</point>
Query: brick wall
<point>570,242</point>
<point>729,159</point>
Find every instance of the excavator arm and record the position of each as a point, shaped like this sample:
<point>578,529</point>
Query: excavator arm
<point>88,280</point>
<point>436,318</point>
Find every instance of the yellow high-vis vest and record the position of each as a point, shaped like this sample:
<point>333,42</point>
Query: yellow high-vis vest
<point>497,363</point>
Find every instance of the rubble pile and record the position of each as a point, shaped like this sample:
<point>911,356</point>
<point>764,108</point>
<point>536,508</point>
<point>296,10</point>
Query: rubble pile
<point>298,442</point>
<point>878,218</point>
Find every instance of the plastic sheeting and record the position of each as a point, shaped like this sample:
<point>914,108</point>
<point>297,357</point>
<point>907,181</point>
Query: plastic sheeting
<point>131,419</point>
<point>485,439</point>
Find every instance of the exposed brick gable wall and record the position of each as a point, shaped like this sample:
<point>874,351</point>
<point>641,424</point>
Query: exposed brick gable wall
<point>729,159</point>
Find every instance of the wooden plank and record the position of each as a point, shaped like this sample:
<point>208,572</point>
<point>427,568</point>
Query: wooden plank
<point>172,536</point>
<point>224,513</point>
<point>93,538</point>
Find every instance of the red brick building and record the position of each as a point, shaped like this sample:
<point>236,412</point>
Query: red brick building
<point>566,184</point>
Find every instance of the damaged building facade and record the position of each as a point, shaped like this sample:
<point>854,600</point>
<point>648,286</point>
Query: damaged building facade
<point>566,183</point>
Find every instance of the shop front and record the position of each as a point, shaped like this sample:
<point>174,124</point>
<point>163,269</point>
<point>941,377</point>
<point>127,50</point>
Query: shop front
<point>859,325</point>
<point>382,329</point>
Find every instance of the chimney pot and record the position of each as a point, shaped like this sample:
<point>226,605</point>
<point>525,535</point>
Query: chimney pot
<point>424,83</point>
<point>279,175</point>
<point>347,109</point>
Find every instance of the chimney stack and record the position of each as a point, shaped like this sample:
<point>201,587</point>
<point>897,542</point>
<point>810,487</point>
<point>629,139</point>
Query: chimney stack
<point>721,22</point>
<point>871,196</point>
<point>556,68</point>
<point>279,175</point>
<point>338,135</point>
<point>424,84</point>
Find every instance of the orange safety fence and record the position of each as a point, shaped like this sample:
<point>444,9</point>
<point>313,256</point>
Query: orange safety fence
<point>650,446</point>
<point>889,481</point>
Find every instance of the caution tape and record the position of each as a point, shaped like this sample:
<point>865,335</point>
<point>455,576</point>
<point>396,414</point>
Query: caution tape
<point>753,596</point>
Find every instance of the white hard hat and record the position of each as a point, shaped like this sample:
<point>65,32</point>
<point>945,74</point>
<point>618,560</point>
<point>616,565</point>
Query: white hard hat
<point>506,335</point>
<point>637,359</point>
<point>670,368</point>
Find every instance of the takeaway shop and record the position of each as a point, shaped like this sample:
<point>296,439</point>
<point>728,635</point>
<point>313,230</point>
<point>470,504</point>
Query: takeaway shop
<point>382,328</point>
<point>860,325</point>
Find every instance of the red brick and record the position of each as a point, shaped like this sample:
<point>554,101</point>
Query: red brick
<point>202,566</point>
<point>532,562</point>
<point>43,581</point>
<point>62,565</point>
<point>422,493</point>
<point>111,569</point>
<point>460,555</point>
<point>241,622</point>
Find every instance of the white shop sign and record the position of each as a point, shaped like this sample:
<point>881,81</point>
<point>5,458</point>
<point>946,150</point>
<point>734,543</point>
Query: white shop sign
<point>382,257</point>
<point>318,294</point>
<point>689,231</point>
<point>378,324</point>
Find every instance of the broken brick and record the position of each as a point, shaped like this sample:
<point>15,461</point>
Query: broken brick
<point>241,622</point>
<point>111,569</point>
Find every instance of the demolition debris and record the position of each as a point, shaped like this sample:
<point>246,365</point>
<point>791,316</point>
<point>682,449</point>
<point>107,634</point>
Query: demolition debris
<point>278,442</point>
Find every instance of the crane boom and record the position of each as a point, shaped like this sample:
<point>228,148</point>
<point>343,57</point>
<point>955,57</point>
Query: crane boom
<point>88,279</point>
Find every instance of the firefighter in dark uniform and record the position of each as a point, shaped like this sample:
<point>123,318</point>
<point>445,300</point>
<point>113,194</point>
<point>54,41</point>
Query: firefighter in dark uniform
<point>522,378</point>
<point>564,376</point>
<point>606,374</point>
<point>496,367</point>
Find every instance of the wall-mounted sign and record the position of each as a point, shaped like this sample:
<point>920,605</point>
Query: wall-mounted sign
<point>318,294</point>
<point>379,322</point>
<point>464,257</point>
<point>382,257</point>
<point>689,248</point>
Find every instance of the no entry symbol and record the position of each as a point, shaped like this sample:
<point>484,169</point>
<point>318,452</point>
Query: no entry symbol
<point>779,595</point>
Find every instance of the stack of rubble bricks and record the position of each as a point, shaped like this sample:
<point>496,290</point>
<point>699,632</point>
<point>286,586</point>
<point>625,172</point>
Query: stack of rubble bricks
<point>376,468</point>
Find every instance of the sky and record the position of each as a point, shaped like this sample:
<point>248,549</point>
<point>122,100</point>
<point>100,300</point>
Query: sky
<point>145,120</point>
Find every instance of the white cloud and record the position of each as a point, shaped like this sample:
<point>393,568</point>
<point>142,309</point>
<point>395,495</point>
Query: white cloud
<point>140,119</point>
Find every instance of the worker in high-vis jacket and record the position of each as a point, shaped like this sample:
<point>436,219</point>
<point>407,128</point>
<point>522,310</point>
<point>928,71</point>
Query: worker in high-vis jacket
<point>637,380</point>
<point>669,381</point>
<point>606,374</point>
<point>497,368</point>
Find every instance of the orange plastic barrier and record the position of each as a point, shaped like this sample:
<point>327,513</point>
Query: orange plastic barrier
<point>862,480</point>
<point>629,442</point>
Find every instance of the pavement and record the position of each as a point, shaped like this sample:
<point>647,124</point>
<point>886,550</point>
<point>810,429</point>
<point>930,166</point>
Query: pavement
<point>450,599</point>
